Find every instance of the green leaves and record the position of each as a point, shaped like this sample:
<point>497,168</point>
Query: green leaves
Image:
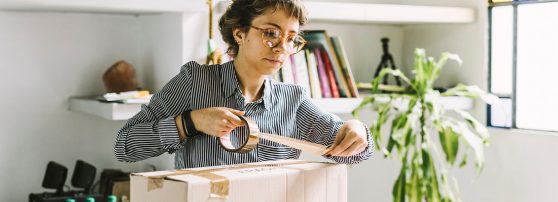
<point>376,82</point>
<point>415,115</point>
<point>365,102</point>
<point>471,92</point>
<point>398,192</point>
<point>450,143</point>
<point>473,140</point>
<point>427,70</point>
<point>475,125</point>
<point>433,189</point>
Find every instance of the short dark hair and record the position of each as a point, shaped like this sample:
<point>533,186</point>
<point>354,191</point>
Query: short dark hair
<point>241,13</point>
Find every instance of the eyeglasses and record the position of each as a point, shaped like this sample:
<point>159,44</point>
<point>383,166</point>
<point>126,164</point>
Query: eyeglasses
<point>273,36</point>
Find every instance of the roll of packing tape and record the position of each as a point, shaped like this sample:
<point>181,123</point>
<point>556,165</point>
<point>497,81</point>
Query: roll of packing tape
<point>250,141</point>
<point>247,143</point>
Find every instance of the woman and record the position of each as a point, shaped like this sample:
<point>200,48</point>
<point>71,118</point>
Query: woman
<point>261,35</point>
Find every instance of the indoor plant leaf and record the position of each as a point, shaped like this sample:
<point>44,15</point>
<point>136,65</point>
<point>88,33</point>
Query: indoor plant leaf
<point>476,125</point>
<point>450,143</point>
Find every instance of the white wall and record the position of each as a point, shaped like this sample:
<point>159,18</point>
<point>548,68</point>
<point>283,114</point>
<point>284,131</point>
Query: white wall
<point>44,59</point>
<point>520,166</point>
<point>161,48</point>
<point>170,40</point>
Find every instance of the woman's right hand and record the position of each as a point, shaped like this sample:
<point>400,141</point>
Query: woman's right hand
<point>216,121</point>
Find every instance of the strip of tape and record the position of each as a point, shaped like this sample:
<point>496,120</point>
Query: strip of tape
<point>219,184</point>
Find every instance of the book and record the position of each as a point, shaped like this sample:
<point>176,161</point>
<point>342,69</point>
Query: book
<point>330,75</point>
<point>324,81</point>
<point>320,38</point>
<point>293,69</point>
<point>313,76</point>
<point>345,67</point>
<point>302,71</point>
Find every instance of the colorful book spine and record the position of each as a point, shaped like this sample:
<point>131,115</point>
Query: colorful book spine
<point>336,67</point>
<point>302,71</point>
<point>313,75</point>
<point>330,75</point>
<point>293,69</point>
<point>345,67</point>
<point>324,81</point>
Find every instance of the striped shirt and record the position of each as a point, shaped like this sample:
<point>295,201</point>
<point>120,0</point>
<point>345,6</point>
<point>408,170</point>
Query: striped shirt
<point>284,109</point>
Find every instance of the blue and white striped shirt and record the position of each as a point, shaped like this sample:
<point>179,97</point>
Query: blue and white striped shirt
<point>283,109</point>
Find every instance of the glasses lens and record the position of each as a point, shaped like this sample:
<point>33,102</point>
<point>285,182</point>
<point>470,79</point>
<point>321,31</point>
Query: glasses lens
<point>271,37</point>
<point>298,43</point>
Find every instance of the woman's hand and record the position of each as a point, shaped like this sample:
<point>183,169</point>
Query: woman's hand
<point>216,121</point>
<point>350,140</point>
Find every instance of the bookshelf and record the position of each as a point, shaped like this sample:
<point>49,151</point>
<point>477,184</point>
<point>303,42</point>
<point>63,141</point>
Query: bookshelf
<point>371,13</point>
<point>115,111</point>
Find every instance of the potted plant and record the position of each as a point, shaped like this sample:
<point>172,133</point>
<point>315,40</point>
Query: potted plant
<point>427,137</point>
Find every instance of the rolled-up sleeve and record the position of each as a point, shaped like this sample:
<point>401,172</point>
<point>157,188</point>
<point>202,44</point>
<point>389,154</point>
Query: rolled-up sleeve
<point>319,127</point>
<point>153,131</point>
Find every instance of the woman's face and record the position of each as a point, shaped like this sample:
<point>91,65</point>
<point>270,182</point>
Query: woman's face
<point>265,59</point>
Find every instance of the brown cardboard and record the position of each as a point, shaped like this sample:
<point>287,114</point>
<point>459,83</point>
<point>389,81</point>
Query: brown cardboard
<point>272,181</point>
<point>121,188</point>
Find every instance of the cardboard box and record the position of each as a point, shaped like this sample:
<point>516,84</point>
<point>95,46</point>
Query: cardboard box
<point>271,181</point>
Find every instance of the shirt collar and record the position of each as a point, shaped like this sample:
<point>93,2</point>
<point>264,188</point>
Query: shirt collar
<point>230,84</point>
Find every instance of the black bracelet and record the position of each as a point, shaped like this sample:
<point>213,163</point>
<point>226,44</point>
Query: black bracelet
<point>188,124</point>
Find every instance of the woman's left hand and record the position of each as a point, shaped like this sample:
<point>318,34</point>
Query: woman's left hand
<point>350,140</point>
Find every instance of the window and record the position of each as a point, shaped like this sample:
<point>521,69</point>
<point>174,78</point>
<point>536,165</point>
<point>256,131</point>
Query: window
<point>523,64</point>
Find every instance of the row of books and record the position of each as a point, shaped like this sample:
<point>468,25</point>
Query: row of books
<point>322,67</point>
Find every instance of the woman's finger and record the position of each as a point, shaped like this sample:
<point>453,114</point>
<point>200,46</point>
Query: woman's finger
<point>355,148</point>
<point>227,124</point>
<point>338,139</point>
<point>233,116</point>
<point>350,138</point>
<point>226,127</point>
<point>236,112</point>
<point>344,145</point>
<point>234,119</point>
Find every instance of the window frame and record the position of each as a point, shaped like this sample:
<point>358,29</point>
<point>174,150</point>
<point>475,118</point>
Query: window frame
<point>513,95</point>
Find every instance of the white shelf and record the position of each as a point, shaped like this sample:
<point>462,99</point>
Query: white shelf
<point>346,105</point>
<point>111,111</point>
<point>388,13</point>
<point>106,6</point>
<point>115,111</point>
